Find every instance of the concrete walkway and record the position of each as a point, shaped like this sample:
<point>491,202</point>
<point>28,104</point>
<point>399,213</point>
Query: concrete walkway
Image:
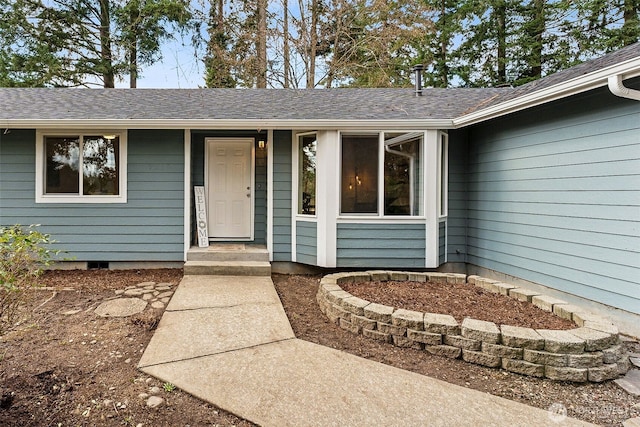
<point>227,340</point>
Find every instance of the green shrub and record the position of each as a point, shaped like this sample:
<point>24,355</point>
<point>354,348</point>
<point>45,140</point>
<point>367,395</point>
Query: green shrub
<point>24,253</point>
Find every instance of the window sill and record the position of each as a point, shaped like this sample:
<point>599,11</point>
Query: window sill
<point>382,219</point>
<point>81,199</point>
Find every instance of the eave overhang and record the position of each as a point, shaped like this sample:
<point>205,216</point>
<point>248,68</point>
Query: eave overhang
<point>213,124</point>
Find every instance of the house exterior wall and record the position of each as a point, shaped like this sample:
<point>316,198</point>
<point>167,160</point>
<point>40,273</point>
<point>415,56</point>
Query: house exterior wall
<point>553,197</point>
<point>307,242</point>
<point>442,242</point>
<point>149,227</point>
<point>457,202</point>
<point>260,195</point>
<point>282,195</point>
<point>382,245</point>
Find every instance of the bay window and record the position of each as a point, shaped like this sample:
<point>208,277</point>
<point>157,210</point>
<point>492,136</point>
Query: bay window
<point>393,159</point>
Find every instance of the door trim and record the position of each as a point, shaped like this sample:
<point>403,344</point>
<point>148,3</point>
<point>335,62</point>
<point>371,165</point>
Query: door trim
<point>253,184</point>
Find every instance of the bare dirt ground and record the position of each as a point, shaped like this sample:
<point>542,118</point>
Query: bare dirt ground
<point>80,369</point>
<point>69,367</point>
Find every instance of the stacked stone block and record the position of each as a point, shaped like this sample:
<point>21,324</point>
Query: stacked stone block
<point>590,352</point>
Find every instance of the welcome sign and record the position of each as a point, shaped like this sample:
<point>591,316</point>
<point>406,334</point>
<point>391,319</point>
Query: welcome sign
<point>201,217</point>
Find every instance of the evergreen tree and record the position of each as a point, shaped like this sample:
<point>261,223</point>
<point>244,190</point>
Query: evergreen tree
<point>142,28</point>
<point>438,52</point>
<point>602,26</point>
<point>218,67</point>
<point>76,42</point>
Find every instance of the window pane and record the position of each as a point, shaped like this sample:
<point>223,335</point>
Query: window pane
<point>62,165</point>
<point>359,174</point>
<point>402,174</point>
<point>307,175</point>
<point>100,156</point>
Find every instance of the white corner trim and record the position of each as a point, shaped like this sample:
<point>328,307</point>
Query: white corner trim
<point>619,89</point>
<point>187,192</point>
<point>270,193</point>
<point>432,141</point>
<point>327,196</point>
<point>294,196</point>
<point>596,79</point>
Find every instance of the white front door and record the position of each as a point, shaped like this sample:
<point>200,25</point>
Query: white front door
<point>230,188</point>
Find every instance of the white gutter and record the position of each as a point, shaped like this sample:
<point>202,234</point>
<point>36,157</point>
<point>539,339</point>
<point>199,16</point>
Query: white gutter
<point>619,89</point>
<point>628,69</point>
<point>210,124</point>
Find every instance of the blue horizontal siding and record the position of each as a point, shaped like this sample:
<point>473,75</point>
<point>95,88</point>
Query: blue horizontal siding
<point>381,245</point>
<point>260,198</point>
<point>307,242</point>
<point>553,196</point>
<point>457,197</point>
<point>149,227</point>
<point>282,195</point>
<point>442,239</point>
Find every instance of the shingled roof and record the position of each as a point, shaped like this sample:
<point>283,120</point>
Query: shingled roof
<point>140,106</point>
<point>240,104</point>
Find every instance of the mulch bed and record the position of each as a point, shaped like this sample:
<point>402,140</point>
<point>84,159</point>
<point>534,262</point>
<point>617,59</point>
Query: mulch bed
<point>459,301</point>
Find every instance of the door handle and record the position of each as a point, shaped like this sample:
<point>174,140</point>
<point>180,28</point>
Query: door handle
<point>248,195</point>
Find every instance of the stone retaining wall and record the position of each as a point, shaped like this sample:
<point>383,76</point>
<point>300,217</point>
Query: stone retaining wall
<point>590,352</point>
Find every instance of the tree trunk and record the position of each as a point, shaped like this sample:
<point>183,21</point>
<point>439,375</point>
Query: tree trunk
<point>501,19</point>
<point>311,74</point>
<point>133,49</point>
<point>285,39</point>
<point>261,78</point>
<point>538,32</point>
<point>444,39</point>
<point>105,45</point>
<point>133,65</point>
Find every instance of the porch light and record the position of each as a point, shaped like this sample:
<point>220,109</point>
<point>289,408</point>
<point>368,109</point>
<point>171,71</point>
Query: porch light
<point>261,144</point>
<point>109,137</point>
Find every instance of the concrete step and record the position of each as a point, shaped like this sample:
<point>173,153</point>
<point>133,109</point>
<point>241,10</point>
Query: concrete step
<point>228,268</point>
<point>249,253</point>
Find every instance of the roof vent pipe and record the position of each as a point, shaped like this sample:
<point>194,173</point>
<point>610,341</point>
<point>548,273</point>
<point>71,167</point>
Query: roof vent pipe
<point>417,69</point>
<point>619,89</point>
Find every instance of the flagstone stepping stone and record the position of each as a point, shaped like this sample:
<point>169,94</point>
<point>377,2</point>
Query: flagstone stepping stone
<point>630,382</point>
<point>121,307</point>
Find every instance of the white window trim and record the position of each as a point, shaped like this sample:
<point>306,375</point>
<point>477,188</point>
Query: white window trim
<point>443,170</point>
<point>295,174</point>
<point>41,197</point>
<point>379,216</point>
